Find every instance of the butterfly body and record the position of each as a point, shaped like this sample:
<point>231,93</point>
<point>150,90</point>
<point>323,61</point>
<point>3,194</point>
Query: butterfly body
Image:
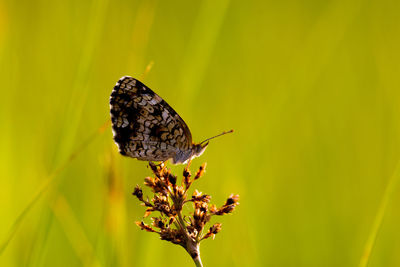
<point>146,127</point>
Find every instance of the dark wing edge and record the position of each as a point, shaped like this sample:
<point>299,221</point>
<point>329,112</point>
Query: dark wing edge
<point>113,115</point>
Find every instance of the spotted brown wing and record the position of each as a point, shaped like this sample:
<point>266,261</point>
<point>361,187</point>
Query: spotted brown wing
<point>144,125</point>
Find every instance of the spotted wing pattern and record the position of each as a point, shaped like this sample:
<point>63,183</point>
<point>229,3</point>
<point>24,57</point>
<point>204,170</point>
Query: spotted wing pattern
<point>144,125</point>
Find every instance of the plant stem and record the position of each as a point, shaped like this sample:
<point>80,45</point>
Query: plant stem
<point>197,261</point>
<point>193,249</point>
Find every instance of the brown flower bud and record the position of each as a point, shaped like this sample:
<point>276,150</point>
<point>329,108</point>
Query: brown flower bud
<point>144,226</point>
<point>201,171</point>
<point>138,192</point>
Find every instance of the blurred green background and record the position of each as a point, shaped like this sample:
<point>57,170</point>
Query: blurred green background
<point>311,89</point>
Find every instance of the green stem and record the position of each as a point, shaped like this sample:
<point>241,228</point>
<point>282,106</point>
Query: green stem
<point>181,221</point>
<point>193,249</point>
<point>197,261</point>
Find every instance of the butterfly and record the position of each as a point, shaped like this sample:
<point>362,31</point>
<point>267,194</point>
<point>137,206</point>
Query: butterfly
<point>147,128</point>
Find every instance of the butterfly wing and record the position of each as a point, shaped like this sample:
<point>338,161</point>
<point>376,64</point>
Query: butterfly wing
<point>144,125</point>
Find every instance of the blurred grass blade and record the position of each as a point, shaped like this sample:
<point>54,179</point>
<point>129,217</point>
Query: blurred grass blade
<point>46,186</point>
<point>74,232</point>
<point>18,221</point>
<point>81,89</point>
<point>379,216</point>
<point>201,46</point>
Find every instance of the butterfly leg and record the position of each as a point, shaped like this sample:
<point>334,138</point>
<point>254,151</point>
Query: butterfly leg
<point>188,163</point>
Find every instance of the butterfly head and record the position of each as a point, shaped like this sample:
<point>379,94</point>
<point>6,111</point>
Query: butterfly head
<point>199,149</point>
<point>183,156</point>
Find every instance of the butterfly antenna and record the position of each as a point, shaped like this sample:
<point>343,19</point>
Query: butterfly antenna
<point>231,131</point>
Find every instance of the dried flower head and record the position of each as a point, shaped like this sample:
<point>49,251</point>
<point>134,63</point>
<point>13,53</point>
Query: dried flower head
<point>169,199</point>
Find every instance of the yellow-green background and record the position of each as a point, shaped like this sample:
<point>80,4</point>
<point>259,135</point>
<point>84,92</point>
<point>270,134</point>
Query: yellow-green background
<point>311,88</point>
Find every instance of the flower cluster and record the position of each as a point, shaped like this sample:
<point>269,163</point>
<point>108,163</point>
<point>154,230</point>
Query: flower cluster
<point>169,199</point>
